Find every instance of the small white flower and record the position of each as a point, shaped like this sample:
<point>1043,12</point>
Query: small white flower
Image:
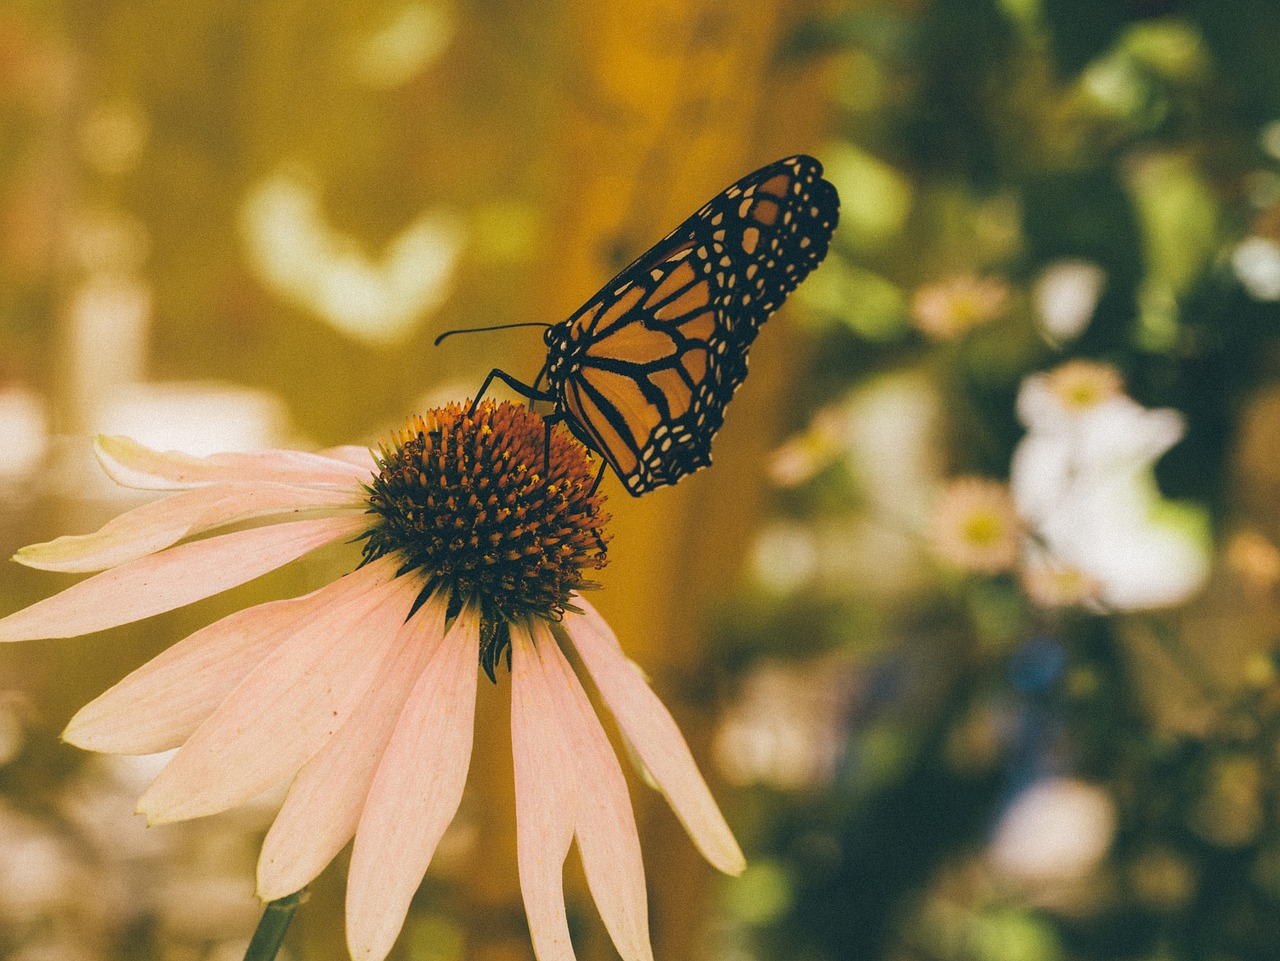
<point>1066,295</point>
<point>1055,830</point>
<point>1082,480</point>
<point>1256,262</point>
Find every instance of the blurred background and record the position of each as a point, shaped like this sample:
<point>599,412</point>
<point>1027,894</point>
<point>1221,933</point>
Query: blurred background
<point>972,624</point>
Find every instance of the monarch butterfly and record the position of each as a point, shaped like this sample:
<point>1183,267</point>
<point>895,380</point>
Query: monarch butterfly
<point>642,372</point>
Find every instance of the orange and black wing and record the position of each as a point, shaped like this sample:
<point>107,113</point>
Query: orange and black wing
<point>644,371</point>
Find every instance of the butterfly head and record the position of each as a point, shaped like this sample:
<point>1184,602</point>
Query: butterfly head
<point>565,347</point>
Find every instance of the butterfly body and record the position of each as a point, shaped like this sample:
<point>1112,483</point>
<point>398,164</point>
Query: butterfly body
<point>642,373</point>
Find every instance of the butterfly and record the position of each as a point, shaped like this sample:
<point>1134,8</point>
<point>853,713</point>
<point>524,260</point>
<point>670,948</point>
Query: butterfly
<point>642,373</point>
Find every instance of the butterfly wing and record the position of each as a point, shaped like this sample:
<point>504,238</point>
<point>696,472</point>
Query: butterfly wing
<point>644,370</point>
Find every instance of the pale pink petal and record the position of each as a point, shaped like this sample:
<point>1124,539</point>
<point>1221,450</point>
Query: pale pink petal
<point>173,578</point>
<point>285,711</point>
<point>160,705</point>
<point>352,454</point>
<point>323,807</point>
<point>653,734</point>
<point>162,523</point>
<point>546,799</point>
<point>606,827</point>
<point>130,464</point>
<point>415,793</point>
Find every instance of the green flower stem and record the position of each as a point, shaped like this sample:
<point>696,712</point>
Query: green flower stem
<point>271,929</point>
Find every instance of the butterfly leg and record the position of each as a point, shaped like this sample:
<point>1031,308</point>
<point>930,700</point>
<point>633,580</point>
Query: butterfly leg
<point>599,477</point>
<point>600,544</point>
<point>524,390</point>
<point>556,417</point>
<point>548,422</point>
<point>551,420</point>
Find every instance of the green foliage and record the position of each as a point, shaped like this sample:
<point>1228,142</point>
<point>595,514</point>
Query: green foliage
<point>1034,142</point>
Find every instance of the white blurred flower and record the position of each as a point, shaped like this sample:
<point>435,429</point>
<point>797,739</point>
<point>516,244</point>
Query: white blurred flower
<point>1269,139</point>
<point>395,52</point>
<point>39,872</point>
<point>1256,262</point>
<point>24,432</point>
<point>1057,829</point>
<point>1082,480</point>
<point>195,417</point>
<point>108,327</point>
<point>1115,86</point>
<point>377,299</point>
<point>785,558</point>
<point>1085,458</point>
<point>100,804</point>
<point>886,432</point>
<point>1066,294</point>
<point>892,437</point>
<point>784,728</point>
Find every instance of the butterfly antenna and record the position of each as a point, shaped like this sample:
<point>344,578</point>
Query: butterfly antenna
<point>477,330</point>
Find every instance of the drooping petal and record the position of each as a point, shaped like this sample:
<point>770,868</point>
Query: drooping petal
<point>130,464</point>
<point>287,708</point>
<point>606,826</point>
<point>173,578</point>
<point>323,806</point>
<point>160,705</point>
<point>415,793</point>
<point>546,799</point>
<point>652,732</point>
<point>162,523</point>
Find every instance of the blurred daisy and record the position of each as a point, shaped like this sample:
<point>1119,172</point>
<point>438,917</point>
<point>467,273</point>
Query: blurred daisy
<point>1254,559</point>
<point>1051,584</point>
<point>975,526</point>
<point>364,691</point>
<point>951,308</point>
<point>806,454</point>
<point>1075,387</point>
